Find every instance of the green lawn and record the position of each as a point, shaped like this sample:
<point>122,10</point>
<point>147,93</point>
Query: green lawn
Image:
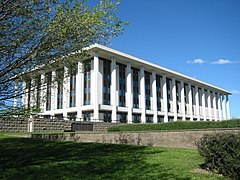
<point>23,158</point>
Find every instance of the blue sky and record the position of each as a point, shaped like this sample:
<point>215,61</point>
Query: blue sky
<point>199,38</point>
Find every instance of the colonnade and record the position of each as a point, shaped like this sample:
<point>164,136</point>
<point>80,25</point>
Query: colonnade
<point>187,99</point>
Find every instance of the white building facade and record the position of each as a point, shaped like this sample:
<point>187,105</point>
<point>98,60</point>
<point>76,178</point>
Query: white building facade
<point>116,87</point>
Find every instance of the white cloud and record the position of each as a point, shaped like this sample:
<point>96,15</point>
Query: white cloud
<point>224,61</point>
<point>197,61</point>
<point>235,92</point>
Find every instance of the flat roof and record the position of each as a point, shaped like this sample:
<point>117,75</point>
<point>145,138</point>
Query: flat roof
<point>170,72</point>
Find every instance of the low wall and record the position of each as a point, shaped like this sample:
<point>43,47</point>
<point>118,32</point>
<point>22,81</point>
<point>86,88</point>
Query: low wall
<point>47,125</point>
<point>177,139</point>
<point>13,125</point>
<point>50,125</point>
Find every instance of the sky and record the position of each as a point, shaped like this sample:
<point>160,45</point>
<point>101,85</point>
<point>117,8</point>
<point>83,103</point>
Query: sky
<point>198,38</point>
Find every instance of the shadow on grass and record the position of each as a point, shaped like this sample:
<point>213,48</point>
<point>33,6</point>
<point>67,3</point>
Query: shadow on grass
<point>41,159</point>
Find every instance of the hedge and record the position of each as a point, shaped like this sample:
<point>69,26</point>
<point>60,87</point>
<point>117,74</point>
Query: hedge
<point>221,152</point>
<point>178,125</point>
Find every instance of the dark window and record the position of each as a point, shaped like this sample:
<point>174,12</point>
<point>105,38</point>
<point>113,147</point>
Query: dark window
<point>106,81</point>
<point>149,118</point>
<point>87,115</point>
<point>72,116</point>
<point>206,96</point>
<point>72,93</point>
<point>38,86</point>
<point>49,85</point>
<point>87,82</point>
<point>160,119</point>
<point>136,118</point>
<point>159,93</point>
<point>28,88</point>
<point>169,97</point>
<point>185,95</point>
<point>178,94</point>
<point>122,85</point>
<point>59,75</point>
<point>147,90</point>
<point>106,116</point>
<point>200,96</point>
<point>59,116</point>
<point>122,117</point>
<point>135,88</point>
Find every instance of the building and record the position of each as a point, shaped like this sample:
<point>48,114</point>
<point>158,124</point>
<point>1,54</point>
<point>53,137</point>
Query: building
<point>116,87</point>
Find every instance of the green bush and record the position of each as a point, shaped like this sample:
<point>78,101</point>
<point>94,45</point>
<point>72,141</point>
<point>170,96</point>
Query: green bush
<point>177,125</point>
<point>221,152</point>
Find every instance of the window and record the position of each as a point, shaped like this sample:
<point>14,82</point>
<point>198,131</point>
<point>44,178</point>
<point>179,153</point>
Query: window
<point>193,95</point>
<point>135,88</point>
<point>149,118</point>
<point>169,97</point>
<point>59,116</point>
<point>147,90</point>
<point>206,96</point>
<point>59,75</point>
<point>87,115</point>
<point>106,116</point>
<point>87,82</point>
<point>72,93</point>
<point>178,94</point>
<point>28,88</point>
<point>199,96</point>
<point>136,118</point>
<point>49,85</point>
<point>185,96</point>
<point>122,117</point>
<point>211,98</point>
<point>122,85</point>
<point>72,116</point>
<point>38,86</point>
<point>160,119</point>
<point>159,95</point>
<point>106,81</point>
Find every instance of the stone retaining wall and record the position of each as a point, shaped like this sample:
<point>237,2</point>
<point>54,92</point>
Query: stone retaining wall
<point>46,125</point>
<point>13,125</point>
<point>51,125</point>
<point>177,139</point>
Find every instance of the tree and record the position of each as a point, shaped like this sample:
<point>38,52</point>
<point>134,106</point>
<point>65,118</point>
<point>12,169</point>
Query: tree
<point>38,32</point>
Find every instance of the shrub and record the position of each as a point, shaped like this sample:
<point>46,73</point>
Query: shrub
<point>221,152</point>
<point>178,125</point>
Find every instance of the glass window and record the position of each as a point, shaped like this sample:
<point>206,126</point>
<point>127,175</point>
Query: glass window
<point>72,116</point>
<point>59,75</point>
<point>38,86</point>
<point>49,85</point>
<point>87,82</point>
<point>148,90</point>
<point>160,119</point>
<point>122,117</point>
<point>87,115</point>
<point>159,93</point>
<point>106,116</point>
<point>136,118</point>
<point>135,87</point>
<point>149,118</point>
<point>106,81</point>
<point>122,85</point>
<point>72,93</point>
<point>169,97</point>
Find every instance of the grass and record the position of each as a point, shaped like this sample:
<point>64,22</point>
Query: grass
<point>179,125</point>
<point>23,158</point>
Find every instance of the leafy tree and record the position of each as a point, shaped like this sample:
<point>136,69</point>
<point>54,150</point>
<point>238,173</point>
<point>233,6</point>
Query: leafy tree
<point>38,32</point>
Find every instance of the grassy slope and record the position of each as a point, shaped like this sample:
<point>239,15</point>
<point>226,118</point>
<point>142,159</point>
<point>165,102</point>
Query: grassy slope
<point>41,159</point>
<point>176,125</point>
